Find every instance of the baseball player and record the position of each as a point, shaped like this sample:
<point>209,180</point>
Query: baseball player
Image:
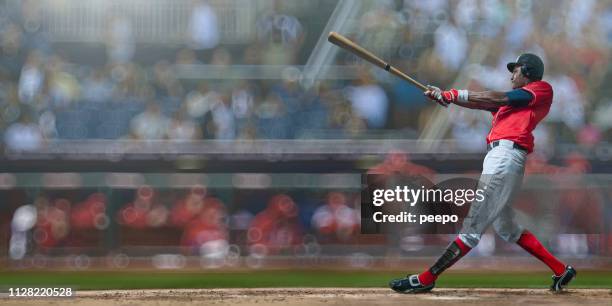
<point>515,115</point>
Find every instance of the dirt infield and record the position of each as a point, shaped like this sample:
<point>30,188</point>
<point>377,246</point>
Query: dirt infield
<point>324,296</point>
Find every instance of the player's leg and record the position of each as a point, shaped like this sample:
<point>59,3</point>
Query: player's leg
<point>506,226</point>
<point>502,174</point>
<point>509,230</point>
<point>562,274</point>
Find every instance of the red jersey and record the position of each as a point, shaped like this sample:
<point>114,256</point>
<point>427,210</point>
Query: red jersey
<point>517,123</point>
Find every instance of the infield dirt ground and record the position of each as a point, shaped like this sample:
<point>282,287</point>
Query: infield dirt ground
<point>324,296</point>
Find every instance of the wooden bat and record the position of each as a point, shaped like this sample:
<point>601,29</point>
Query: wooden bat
<point>356,49</point>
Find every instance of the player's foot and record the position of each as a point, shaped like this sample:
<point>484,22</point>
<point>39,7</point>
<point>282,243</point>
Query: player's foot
<point>410,284</point>
<point>559,282</point>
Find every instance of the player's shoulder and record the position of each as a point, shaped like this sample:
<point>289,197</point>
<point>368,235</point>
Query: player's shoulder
<point>540,90</point>
<point>542,86</point>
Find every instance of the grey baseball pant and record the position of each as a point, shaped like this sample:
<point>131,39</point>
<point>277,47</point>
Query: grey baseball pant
<point>502,175</point>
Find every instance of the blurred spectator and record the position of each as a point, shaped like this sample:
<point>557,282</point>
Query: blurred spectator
<point>569,103</point>
<point>520,25</point>
<point>335,220</point>
<point>188,207</point>
<point>289,90</point>
<point>251,55</point>
<point>207,232</point>
<point>379,28</point>
<point>97,87</point>
<point>243,108</point>
<point>11,44</point>
<point>408,101</point>
<point>64,88</point>
<point>243,97</point>
<point>31,80</point>
<point>589,136</point>
<point>90,214</point>
<point>127,82</point>
<point>271,114</point>
<point>538,164</point>
<point>580,208</point>
<point>223,119</point>
<point>144,211</point>
<point>467,129</point>
<point>430,8</point>
<point>24,219</point>
<point>23,135</point>
<point>221,57</point>
<point>281,36</point>
<point>398,162</point>
<point>52,224</point>
<point>120,41</point>
<point>579,13</point>
<point>183,128</point>
<point>201,101</point>
<point>32,18</point>
<point>494,17</point>
<point>276,229</point>
<point>605,23</point>
<point>278,27</point>
<point>186,56</point>
<point>165,82</point>
<point>466,13</point>
<point>369,100</point>
<point>204,26</point>
<point>150,124</point>
<point>46,123</point>
<point>451,45</point>
<point>602,115</point>
<point>342,116</point>
<point>544,140</point>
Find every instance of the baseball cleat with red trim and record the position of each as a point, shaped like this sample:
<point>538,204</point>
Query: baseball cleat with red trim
<point>410,284</point>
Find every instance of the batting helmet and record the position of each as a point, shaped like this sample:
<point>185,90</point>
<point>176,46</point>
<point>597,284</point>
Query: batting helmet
<point>531,66</point>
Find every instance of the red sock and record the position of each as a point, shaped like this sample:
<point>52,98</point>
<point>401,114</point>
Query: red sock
<point>427,277</point>
<point>530,243</point>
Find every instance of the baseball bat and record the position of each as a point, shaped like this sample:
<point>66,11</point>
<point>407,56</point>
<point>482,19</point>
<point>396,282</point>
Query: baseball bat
<point>347,44</point>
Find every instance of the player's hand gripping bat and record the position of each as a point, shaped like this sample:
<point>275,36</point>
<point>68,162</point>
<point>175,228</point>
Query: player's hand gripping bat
<point>347,44</point>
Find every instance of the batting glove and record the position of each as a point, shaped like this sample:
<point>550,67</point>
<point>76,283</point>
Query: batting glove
<point>436,94</point>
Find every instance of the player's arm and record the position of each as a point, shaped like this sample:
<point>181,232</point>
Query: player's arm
<point>484,100</point>
<point>489,100</point>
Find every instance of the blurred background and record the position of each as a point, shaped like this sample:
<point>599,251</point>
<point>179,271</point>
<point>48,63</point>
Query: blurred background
<point>209,134</point>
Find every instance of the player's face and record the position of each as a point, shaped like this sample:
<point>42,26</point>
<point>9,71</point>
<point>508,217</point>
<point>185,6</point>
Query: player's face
<point>518,79</point>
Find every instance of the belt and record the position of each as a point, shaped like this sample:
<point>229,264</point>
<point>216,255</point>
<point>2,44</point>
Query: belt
<point>496,143</point>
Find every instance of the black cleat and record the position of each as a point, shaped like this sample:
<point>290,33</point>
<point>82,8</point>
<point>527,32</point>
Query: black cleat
<point>559,282</point>
<point>410,284</point>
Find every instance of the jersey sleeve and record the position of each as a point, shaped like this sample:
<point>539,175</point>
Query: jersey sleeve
<point>540,91</point>
<point>519,97</point>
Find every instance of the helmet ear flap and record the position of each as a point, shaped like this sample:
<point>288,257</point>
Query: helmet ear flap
<point>526,71</point>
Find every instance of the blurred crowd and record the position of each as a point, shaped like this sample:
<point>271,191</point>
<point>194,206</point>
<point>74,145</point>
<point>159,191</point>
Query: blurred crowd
<point>559,205</point>
<point>121,88</point>
<point>197,220</point>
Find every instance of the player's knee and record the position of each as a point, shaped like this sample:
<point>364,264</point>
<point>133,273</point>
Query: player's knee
<point>470,240</point>
<point>508,235</point>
